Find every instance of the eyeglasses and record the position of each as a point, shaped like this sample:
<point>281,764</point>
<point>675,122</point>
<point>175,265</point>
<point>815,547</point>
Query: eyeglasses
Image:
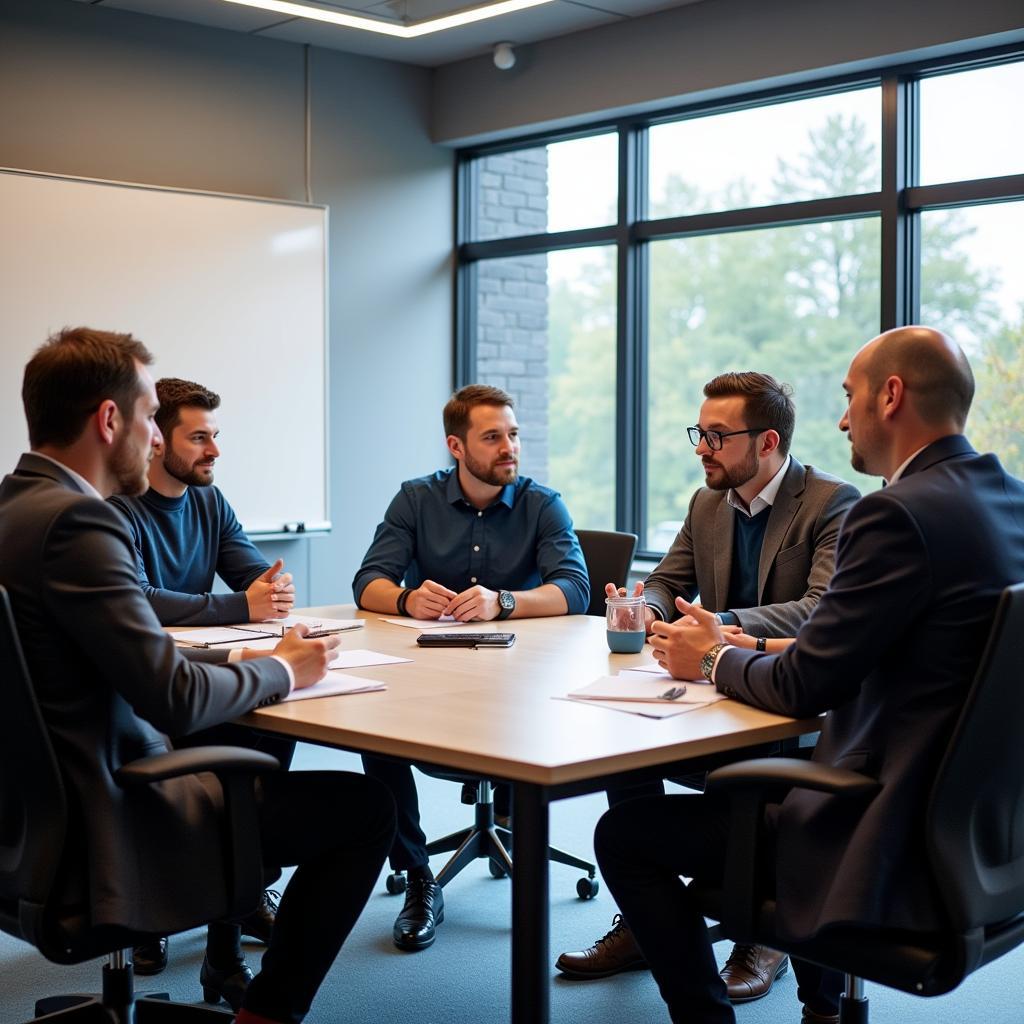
<point>714,438</point>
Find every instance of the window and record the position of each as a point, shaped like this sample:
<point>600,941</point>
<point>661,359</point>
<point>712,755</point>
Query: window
<point>774,232</point>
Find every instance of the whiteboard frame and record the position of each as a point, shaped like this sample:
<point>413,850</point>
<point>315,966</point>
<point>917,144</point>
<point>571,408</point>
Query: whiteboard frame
<point>289,529</point>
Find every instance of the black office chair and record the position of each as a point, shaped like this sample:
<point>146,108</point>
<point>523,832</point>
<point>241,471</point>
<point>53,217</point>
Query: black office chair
<point>974,835</point>
<point>41,863</point>
<point>608,555</point>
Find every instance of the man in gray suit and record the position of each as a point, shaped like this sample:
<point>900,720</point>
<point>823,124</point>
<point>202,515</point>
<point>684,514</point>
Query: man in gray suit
<point>758,547</point>
<point>111,685</point>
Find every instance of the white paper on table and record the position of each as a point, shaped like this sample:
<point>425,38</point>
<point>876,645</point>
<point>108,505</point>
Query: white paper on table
<point>446,621</point>
<point>316,624</point>
<point>364,659</point>
<point>662,709</point>
<point>637,687</point>
<point>651,666</point>
<point>335,684</point>
<point>221,636</point>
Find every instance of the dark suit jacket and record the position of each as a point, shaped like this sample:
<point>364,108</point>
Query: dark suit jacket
<point>110,683</point>
<point>797,555</point>
<point>890,651</point>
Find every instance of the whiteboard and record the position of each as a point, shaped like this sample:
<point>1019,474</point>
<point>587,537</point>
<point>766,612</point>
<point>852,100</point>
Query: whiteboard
<point>229,291</point>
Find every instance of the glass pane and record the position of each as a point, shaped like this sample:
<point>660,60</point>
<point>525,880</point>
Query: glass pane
<point>546,334</point>
<point>972,125</point>
<point>805,149</point>
<point>795,302</point>
<point>560,187</point>
<point>972,288</point>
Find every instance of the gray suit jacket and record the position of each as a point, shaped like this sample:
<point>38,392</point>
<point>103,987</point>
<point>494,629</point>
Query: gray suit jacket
<point>889,652</point>
<point>110,683</point>
<point>797,556</point>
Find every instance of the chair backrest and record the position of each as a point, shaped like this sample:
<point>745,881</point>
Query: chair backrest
<point>608,555</point>
<point>975,822</point>
<point>33,805</point>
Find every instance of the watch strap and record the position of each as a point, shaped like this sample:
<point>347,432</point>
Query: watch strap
<point>707,663</point>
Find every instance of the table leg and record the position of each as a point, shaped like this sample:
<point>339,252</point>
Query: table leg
<point>531,982</point>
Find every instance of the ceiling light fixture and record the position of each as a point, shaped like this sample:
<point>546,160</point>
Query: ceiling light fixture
<point>410,31</point>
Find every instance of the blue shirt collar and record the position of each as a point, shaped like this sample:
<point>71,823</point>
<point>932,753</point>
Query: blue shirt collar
<point>453,492</point>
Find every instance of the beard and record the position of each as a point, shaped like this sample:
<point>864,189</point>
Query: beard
<point>857,460</point>
<point>496,476</point>
<point>188,473</point>
<point>735,477</point>
<point>129,468</point>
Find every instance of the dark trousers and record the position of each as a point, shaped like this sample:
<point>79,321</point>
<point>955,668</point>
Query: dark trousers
<point>306,819</point>
<point>409,850</point>
<point>643,846</point>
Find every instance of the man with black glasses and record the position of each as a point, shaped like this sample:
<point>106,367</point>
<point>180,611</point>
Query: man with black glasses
<point>757,549</point>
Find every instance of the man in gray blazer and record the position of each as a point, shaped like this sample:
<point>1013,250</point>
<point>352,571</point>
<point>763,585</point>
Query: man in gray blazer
<point>111,685</point>
<point>758,548</point>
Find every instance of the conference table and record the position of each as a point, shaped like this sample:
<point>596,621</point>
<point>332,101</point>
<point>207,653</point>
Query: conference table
<point>495,713</point>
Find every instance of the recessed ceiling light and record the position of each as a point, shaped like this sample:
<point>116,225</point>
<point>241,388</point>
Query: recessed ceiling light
<point>410,31</point>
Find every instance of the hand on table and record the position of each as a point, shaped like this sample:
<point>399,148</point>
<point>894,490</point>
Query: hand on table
<point>428,601</point>
<point>679,646</point>
<point>475,604</point>
<point>271,595</point>
<point>308,658</point>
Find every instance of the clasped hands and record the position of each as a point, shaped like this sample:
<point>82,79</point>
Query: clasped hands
<point>430,601</point>
<point>679,646</point>
<point>272,594</point>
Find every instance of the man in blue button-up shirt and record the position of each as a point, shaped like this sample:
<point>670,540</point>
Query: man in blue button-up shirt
<point>475,542</point>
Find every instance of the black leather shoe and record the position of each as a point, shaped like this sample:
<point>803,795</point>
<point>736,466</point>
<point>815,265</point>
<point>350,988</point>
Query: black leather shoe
<point>150,958</point>
<point>423,912</point>
<point>229,984</point>
<point>260,923</point>
<point>750,972</point>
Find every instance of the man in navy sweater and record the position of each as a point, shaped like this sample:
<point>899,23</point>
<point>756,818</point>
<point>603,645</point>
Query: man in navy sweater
<point>185,532</point>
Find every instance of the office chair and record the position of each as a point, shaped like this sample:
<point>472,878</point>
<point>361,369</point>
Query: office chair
<point>41,863</point>
<point>973,837</point>
<point>608,555</point>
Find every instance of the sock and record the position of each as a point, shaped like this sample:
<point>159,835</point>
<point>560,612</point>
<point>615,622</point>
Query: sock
<point>420,874</point>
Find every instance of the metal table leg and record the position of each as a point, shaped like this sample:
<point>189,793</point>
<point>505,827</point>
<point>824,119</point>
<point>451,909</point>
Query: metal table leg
<point>531,982</point>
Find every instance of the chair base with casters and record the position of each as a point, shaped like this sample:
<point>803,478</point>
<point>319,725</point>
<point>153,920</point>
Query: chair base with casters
<point>118,1003</point>
<point>486,839</point>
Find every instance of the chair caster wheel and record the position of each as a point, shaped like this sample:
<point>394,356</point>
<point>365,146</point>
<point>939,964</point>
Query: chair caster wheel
<point>496,869</point>
<point>395,884</point>
<point>587,888</point>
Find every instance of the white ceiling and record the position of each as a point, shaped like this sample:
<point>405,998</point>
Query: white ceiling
<point>552,19</point>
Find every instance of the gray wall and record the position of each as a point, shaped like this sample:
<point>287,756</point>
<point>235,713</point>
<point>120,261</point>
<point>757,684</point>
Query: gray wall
<point>702,51</point>
<point>108,94</point>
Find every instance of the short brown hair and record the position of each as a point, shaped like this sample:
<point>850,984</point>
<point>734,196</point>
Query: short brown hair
<point>767,403</point>
<point>71,374</point>
<point>462,403</point>
<point>173,393</point>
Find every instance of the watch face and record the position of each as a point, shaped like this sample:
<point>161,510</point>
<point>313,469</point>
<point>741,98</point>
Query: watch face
<point>506,600</point>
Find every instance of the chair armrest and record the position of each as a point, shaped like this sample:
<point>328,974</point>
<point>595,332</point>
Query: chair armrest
<point>175,763</point>
<point>791,773</point>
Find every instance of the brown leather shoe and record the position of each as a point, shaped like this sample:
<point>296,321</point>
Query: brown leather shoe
<point>750,972</point>
<point>612,953</point>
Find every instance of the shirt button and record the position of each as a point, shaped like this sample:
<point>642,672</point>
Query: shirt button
<point>479,514</point>
<point>476,547</point>
<point>472,579</point>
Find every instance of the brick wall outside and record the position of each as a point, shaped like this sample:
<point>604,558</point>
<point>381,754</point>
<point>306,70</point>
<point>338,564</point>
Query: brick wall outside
<point>512,297</point>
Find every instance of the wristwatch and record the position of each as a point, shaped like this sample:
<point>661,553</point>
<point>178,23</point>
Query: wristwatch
<point>761,644</point>
<point>707,663</point>
<point>507,603</point>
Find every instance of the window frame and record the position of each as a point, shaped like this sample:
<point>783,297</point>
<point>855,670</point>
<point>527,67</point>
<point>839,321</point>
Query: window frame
<point>899,203</point>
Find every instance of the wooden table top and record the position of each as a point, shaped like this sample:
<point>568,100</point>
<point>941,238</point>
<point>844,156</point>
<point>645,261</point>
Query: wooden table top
<point>491,712</point>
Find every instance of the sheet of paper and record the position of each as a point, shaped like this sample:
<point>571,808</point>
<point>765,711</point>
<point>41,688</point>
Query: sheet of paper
<point>635,707</point>
<point>315,623</point>
<point>651,666</point>
<point>446,621</point>
<point>643,687</point>
<point>219,635</point>
<point>335,684</point>
<point>364,659</point>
